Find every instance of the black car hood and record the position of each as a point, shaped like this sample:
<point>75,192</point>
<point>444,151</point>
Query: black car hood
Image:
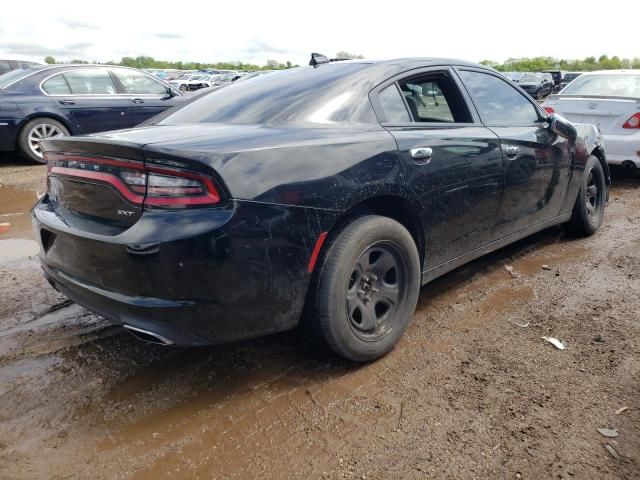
<point>528,84</point>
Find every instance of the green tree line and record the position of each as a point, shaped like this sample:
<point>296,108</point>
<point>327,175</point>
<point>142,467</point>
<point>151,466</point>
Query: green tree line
<point>588,64</point>
<point>150,62</point>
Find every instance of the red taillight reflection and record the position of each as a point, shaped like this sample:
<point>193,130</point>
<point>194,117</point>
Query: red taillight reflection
<point>633,122</point>
<point>139,184</point>
<point>549,110</point>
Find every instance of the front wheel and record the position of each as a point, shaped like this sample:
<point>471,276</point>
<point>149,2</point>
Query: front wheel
<point>34,132</point>
<point>588,210</point>
<point>367,288</point>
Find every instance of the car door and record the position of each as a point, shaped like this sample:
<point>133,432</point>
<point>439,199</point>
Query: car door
<point>146,95</point>
<point>537,162</point>
<point>88,99</point>
<point>453,163</point>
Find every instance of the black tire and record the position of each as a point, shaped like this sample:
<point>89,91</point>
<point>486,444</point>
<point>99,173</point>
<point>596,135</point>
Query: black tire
<point>588,211</point>
<point>366,289</point>
<point>44,125</point>
<point>184,88</point>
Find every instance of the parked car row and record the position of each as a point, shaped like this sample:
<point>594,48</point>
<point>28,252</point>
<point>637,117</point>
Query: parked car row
<point>190,82</point>
<point>541,84</point>
<point>538,85</point>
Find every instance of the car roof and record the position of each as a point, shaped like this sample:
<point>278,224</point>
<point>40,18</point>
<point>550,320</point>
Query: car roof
<point>391,67</point>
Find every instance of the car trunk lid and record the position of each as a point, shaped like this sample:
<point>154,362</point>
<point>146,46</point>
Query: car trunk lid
<point>608,114</point>
<point>103,185</point>
<point>86,184</point>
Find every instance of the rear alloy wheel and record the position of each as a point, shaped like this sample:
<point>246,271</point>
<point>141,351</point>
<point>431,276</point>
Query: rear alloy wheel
<point>34,132</point>
<point>367,288</point>
<point>588,210</point>
<point>183,87</point>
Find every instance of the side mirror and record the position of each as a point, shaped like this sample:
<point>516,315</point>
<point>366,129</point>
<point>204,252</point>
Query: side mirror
<point>562,127</point>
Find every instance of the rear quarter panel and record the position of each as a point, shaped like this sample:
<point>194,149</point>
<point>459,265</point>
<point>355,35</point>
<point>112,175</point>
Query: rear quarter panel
<point>326,168</point>
<point>589,142</point>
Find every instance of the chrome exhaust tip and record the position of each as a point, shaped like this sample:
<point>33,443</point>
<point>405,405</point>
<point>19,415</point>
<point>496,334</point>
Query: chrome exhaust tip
<point>147,336</point>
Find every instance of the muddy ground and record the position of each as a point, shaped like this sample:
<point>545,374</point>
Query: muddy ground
<point>466,394</point>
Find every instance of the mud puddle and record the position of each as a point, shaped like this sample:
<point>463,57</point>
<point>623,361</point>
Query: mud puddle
<point>16,235</point>
<point>15,207</point>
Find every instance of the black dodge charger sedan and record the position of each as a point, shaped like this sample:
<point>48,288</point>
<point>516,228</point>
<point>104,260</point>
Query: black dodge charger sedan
<point>325,195</point>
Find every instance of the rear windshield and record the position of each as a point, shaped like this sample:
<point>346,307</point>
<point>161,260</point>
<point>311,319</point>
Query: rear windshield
<point>326,94</point>
<point>622,85</point>
<point>15,75</point>
<point>536,77</point>
<point>569,77</point>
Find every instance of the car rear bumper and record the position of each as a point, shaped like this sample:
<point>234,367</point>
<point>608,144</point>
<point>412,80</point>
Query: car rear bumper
<point>191,277</point>
<point>623,148</point>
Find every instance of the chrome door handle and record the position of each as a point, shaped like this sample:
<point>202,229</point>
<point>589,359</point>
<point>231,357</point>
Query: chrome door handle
<point>67,102</point>
<point>421,153</point>
<point>137,100</point>
<point>511,151</point>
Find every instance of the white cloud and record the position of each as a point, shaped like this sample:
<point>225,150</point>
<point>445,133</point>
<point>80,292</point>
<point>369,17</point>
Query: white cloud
<point>254,31</point>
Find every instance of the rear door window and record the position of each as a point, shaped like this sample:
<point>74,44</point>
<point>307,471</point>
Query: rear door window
<point>95,81</point>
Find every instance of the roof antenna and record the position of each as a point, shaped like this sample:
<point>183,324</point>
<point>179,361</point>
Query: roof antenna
<point>318,59</point>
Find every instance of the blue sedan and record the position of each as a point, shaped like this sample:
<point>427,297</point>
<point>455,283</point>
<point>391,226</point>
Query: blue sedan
<point>48,101</point>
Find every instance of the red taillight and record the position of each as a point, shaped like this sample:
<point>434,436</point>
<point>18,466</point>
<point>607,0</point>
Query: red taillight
<point>549,110</point>
<point>139,184</point>
<point>633,122</point>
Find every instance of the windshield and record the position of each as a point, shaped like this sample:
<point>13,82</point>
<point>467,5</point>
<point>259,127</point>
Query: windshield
<point>15,75</point>
<point>300,95</point>
<point>622,85</point>
<point>531,77</point>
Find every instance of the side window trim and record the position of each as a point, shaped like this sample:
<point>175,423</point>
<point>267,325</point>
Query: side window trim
<point>64,77</point>
<point>537,108</point>
<point>466,100</point>
<point>120,90</point>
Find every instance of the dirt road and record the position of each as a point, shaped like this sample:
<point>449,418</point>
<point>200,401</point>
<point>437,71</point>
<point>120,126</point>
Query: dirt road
<point>466,394</point>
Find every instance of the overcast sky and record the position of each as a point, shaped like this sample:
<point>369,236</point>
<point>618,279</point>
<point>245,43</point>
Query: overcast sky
<point>254,31</point>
